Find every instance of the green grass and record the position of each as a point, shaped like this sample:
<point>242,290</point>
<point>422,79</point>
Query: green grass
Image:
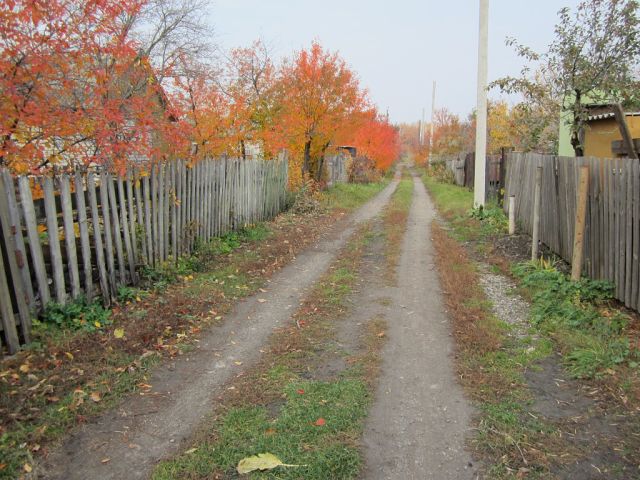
<point>403,195</point>
<point>456,206</point>
<point>323,451</point>
<point>350,196</point>
<point>449,199</point>
<point>278,411</point>
<point>575,314</point>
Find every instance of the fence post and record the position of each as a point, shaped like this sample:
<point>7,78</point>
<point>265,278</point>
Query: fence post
<point>581,214</point>
<point>512,214</point>
<point>502,175</point>
<point>536,215</point>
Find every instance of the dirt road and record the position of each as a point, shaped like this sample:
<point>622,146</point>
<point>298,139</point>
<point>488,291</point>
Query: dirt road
<point>127,442</point>
<point>419,420</point>
<point>417,426</point>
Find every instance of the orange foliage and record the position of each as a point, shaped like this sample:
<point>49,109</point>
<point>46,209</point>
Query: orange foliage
<point>376,139</point>
<point>76,90</point>
<point>319,96</point>
<point>74,87</point>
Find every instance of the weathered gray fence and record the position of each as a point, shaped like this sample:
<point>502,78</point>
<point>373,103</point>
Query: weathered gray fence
<point>336,169</point>
<point>90,232</point>
<point>463,165</point>
<point>612,234</point>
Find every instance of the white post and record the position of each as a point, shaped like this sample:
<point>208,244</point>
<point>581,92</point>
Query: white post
<point>433,110</point>
<point>512,214</point>
<point>537,200</point>
<point>479,194</point>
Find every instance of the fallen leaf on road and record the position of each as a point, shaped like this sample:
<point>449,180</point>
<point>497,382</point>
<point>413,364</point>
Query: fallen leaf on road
<point>27,468</point>
<point>262,300</point>
<point>238,363</point>
<point>300,391</point>
<point>320,422</point>
<point>262,461</point>
<point>95,396</point>
<point>105,460</point>
<point>191,450</point>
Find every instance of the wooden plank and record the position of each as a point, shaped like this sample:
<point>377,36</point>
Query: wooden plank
<point>205,200</point>
<point>103,273</point>
<point>211,199</point>
<point>117,232</point>
<point>611,223</point>
<point>161,202</point>
<point>85,246</point>
<point>189,190</point>
<point>593,226</point>
<point>628,231</point>
<point>635,273</point>
<point>69,235</point>
<point>35,247</point>
<point>6,311</point>
<point>176,200</point>
<point>14,271</point>
<point>143,238</point>
<point>147,220</point>
<point>580,224</point>
<point>133,224</point>
<point>20,246</point>
<point>620,222</point>
<point>197,217</point>
<point>54,240</point>
<point>108,239</point>
<point>126,231</point>
<point>174,212</point>
<point>166,205</point>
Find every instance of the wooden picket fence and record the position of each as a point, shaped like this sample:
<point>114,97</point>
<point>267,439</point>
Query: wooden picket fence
<point>91,232</point>
<point>462,166</point>
<point>612,233</point>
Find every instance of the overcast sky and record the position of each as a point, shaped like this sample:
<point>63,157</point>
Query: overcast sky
<point>397,47</point>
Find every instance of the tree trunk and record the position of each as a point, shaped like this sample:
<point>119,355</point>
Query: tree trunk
<point>320,165</point>
<point>576,142</point>
<point>243,150</point>
<point>307,157</point>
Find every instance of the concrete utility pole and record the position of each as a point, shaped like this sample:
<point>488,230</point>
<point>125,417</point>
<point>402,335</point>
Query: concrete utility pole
<point>433,112</point>
<point>479,186</point>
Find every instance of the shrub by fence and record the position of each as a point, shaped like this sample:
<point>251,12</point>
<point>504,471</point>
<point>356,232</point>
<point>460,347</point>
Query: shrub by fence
<point>612,228</point>
<point>90,232</point>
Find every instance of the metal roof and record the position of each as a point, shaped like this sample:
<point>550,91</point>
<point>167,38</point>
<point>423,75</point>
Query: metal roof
<point>604,116</point>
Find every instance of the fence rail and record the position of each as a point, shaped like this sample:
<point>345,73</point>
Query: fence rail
<point>612,232</point>
<point>89,233</point>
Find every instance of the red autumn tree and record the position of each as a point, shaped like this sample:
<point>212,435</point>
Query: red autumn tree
<point>376,139</point>
<point>75,86</point>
